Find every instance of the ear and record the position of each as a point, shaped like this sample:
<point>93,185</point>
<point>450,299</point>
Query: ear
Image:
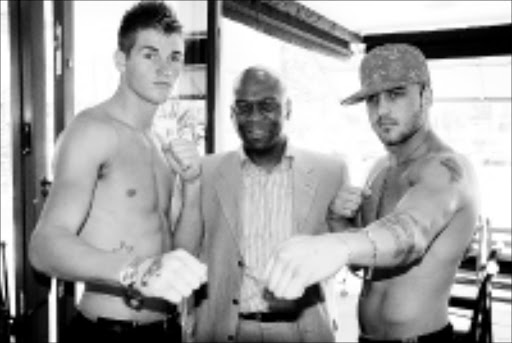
<point>288,108</point>
<point>120,60</point>
<point>233,118</point>
<point>426,97</point>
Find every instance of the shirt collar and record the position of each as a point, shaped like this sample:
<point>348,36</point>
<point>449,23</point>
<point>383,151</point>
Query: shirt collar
<point>290,152</point>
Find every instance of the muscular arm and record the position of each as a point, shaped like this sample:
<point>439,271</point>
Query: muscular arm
<point>188,232</point>
<point>443,186</point>
<point>55,247</point>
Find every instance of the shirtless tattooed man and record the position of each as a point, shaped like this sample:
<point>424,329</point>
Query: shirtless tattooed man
<point>416,224</point>
<point>106,221</point>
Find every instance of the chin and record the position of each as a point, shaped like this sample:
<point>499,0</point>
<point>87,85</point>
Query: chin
<point>158,100</point>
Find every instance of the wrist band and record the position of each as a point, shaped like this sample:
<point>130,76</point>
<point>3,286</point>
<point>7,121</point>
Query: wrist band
<point>368,233</point>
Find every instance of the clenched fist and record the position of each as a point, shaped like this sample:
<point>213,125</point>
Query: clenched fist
<point>348,200</point>
<point>172,276</point>
<point>183,157</point>
<point>302,261</point>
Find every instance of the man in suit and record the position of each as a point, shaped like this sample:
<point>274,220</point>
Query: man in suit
<point>253,199</point>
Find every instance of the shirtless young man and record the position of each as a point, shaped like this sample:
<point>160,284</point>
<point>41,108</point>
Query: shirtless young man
<point>417,222</point>
<point>106,221</point>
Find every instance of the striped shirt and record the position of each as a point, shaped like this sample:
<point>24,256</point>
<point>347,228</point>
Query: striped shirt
<point>267,220</point>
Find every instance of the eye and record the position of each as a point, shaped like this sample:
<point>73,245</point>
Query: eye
<point>268,105</point>
<point>395,93</point>
<point>243,107</point>
<point>150,55</point>
<point>176,58</point>
<point>372,100</point>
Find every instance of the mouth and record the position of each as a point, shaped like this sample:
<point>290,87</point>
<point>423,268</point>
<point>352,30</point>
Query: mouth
<point>386,124</point>
<point>163,84</point>
<point>255,132</point>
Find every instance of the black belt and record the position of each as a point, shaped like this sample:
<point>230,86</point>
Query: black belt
<point>443,335</point>
<point>270,317</point>
<point>154,304</point>
<point>123,325</point>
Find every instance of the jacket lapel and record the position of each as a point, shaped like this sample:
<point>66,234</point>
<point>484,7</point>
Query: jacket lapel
<point>304,187</point>
<point>228,191</point>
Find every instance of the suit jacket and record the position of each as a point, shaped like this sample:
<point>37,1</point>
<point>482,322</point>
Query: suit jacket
<point>316,180</point>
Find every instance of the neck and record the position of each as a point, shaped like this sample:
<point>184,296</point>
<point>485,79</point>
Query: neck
<point>268,158</point>
<point>410,149</point>
<point>132,110</point>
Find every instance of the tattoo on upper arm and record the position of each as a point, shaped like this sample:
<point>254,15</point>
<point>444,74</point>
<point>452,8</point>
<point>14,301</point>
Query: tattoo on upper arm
<point>402,227</point>
<point>453,167</point>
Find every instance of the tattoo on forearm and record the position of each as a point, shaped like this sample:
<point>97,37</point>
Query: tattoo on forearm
<point>453,167</point>
<point>402,226</point>
<point>153,270</point>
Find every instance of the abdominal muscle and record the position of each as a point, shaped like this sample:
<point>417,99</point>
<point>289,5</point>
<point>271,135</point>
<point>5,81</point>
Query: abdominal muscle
<point>123,226</point>
<point>405,306</point>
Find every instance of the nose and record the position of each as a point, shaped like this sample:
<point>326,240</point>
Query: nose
<point>169,69</point>
<point>383,105</point>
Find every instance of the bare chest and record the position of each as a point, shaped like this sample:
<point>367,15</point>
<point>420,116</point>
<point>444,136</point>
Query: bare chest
<point>138,175</point>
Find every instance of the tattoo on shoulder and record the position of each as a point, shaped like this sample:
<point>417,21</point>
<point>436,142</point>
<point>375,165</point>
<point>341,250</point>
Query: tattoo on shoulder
<point>453,167</point>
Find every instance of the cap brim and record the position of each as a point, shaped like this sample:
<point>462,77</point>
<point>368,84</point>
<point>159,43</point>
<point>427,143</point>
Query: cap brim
<point>364,93</point>
<point>357,97</point>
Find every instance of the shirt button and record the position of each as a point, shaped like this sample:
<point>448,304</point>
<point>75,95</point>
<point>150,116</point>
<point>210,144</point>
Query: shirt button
<point>235,301</point>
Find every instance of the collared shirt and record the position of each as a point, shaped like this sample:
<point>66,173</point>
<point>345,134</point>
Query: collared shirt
<point>267,220</point>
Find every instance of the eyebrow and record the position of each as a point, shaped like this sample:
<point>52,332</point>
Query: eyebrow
<point>153,49</point>
<point>399,88</point>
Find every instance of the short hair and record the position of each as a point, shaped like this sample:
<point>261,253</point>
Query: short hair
<point>146,15</point>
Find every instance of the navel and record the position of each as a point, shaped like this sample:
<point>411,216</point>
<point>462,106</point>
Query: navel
<point>131,192</point>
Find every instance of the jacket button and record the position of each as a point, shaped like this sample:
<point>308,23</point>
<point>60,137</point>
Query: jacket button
<point>240,263</point>
<point>235,302</point>
<point>231,338</point>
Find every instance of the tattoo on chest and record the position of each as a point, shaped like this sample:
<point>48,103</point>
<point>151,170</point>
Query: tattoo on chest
<point>401,226</point>
<point>453,168</point>
<point>152,271</point>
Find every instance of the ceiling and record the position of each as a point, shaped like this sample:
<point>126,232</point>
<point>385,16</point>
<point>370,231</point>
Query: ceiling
<point>377,17</point>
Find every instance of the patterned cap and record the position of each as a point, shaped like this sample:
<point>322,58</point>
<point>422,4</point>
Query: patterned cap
<point>390,66</point>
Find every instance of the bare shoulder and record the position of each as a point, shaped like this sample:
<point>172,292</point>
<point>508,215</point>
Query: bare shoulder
<point>88,133</point>
<point>446,167</point>
<point>448,171</point>
<point>87,142</point>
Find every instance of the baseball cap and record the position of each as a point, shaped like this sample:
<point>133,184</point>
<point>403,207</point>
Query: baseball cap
<point>389,66</point>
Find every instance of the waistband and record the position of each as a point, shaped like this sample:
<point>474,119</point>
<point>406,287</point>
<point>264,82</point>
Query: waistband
<point>443,335</point>
<point>149,303</point>
<point>118,325</point>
